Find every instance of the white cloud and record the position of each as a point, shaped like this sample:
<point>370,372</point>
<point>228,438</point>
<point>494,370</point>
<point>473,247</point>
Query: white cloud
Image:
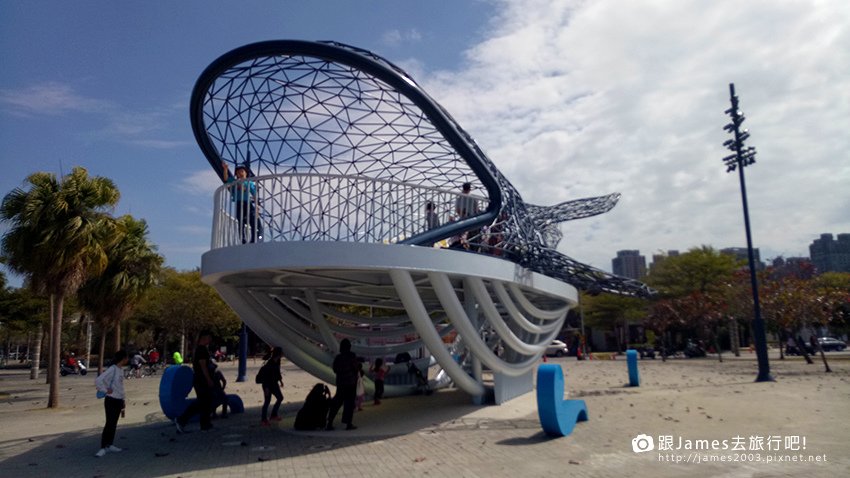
<point>202,182</point>
<point>113,121</point>
<point>573,99</point>
<point>49,98</point>
<point>396,37</point>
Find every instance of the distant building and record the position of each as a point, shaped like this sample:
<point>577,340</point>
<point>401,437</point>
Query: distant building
<point>629,264</point>
<point>829,255</point>
<point>799,267</point>
<point>791,261</point>
<point>741,254</point>
<point>659,258</point>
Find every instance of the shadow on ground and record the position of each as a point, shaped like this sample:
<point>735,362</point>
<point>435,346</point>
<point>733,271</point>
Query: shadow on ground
<point>154,448</point>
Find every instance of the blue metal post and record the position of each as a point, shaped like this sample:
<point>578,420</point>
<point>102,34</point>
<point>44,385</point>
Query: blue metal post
<point>243,354</point>
<point>632,360</point>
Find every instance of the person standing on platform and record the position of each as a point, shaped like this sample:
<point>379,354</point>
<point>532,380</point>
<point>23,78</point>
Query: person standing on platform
<point>243,195</point>
<point>465,204</point>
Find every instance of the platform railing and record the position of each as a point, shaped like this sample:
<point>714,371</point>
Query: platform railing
<point>327,207</point>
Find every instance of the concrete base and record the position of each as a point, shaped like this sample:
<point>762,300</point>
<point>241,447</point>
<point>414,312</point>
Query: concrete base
<point>508,388</point>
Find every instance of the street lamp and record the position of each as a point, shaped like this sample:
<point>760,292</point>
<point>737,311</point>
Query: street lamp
<point>744,156</point>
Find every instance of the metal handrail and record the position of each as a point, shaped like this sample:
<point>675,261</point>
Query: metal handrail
<point>328,207</point>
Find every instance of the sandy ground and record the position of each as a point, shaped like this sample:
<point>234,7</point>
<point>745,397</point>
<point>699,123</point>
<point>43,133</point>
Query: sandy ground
<point>796,426</point>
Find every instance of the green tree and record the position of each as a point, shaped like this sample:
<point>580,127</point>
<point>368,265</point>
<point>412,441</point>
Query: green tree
<point>181,305</point>
<point>839,284</point>
<point>58,236</point>
<point>664,316</point>
<point>133,268</point>
<point>25,312</point>
<point>696,284</point>
<point>702,269</point>
<point>614,312</point>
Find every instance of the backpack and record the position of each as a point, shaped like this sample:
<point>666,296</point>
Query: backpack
<point>314,413</point>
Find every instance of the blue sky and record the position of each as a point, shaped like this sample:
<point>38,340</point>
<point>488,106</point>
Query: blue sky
<point>106,85</point>
<point>569,98</point>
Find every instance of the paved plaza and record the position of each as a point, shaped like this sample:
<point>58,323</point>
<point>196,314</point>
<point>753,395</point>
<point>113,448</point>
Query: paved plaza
<point>446,435</point>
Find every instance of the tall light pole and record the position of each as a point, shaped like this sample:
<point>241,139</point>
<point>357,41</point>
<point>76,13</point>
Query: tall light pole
<point>744,156</point>
<point>243,354</point>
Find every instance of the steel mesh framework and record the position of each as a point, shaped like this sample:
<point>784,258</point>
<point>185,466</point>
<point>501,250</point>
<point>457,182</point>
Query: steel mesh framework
<point>321,123</point>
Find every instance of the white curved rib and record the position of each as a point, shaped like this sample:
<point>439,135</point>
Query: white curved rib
<point>419,316</point>
<point>282,315</point>
<point>505,333</point>
<point>369,350</point>
<point>293,345</point>
<point>320,322</point>
<point>534,310</point>
<point>295,323</point>
<point>305,354</point>
<point>451,304</point>
<point>517,316</point>
<point>390,319</point>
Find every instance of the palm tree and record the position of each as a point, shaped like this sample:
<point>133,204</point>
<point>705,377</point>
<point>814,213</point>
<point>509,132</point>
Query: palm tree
<point>59,231</point>
<point>133,267</point>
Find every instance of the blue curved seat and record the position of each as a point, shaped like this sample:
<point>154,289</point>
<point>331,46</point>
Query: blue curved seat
<point>557,416</point>
<point>174,388</point>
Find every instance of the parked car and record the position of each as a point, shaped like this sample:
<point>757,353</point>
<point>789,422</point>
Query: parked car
<point>792,349</point>
<point>557,348</point>
<point>830,343</point>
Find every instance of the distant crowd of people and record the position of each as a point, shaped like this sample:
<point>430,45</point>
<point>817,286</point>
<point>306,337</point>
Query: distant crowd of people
<point>487,239</point>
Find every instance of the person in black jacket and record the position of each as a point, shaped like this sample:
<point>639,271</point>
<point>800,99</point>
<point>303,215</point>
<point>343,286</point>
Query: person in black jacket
<point>347,369</point>
<point>271,379</point>
<point>203,383</point>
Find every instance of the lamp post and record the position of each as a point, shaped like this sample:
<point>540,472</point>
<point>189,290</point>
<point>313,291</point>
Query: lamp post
<point>744,156</point>
<point>243,354</point>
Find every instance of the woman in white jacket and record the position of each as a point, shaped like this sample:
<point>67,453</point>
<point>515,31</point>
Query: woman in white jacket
<point>111,383</point>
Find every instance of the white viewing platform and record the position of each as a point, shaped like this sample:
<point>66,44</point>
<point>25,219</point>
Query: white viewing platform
<point>457,306</point>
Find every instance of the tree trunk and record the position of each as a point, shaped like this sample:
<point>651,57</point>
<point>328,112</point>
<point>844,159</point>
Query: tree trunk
<point>53,371</point>
<point>29,346</point>
<point>783,344</point>
<point>164,351</point>
<point>88,342</point>
<point>801,346</point>
<point>36,355</point>
<point>183,342</point>
<point>820,350</point>
<point>102,350</point>
<point>7,348</point>
<point>734,338</point>
<point>717,345</point>
<point>50,357</point>
<point>117,336</point>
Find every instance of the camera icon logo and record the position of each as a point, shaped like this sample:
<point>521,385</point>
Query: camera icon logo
<point>642,443</point>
